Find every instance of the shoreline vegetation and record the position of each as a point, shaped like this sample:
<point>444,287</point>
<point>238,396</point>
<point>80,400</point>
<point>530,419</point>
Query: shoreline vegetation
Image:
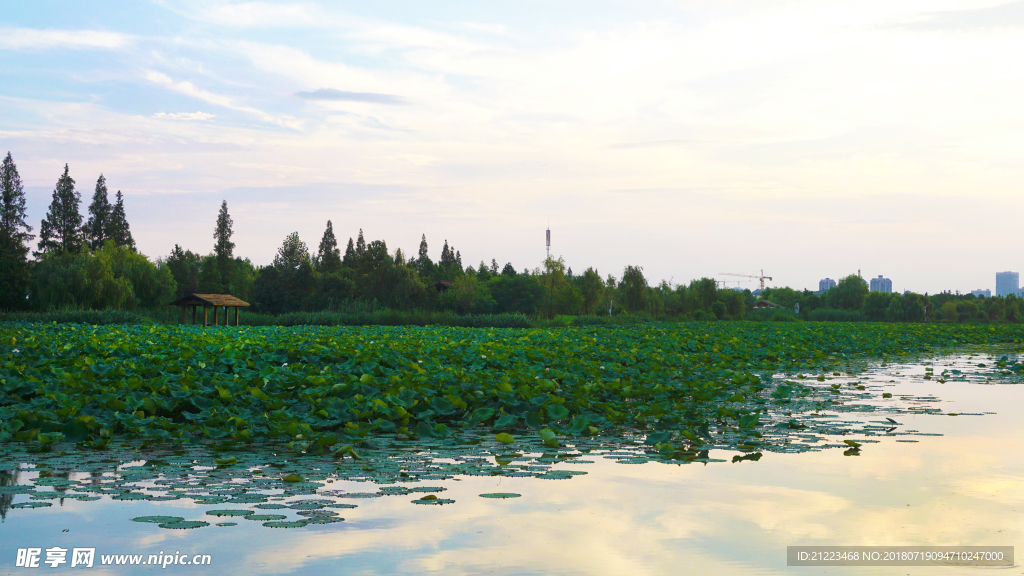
<point>87,263</point>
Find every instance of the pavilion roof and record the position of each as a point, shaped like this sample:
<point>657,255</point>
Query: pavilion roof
<point>209,300</point>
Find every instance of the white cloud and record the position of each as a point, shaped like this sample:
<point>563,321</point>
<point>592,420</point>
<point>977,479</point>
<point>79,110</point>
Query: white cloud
<point>251,14</point>
<point>183,116</point>
<point>190,89</point>
<point>496,29</point>
<point>34,39</point>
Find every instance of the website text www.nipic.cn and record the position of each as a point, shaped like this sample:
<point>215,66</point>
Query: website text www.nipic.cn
<point>86,558</point>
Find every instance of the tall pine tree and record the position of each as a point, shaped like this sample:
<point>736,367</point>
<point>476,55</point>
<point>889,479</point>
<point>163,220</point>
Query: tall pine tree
<point>97,228</point>
<point>117,225</point>
<point>224,248</point>
<point>61,230</point>
<point>423,256</point>
<point>349,261</point>
<point>328,257</point>
<point>14,236</point>
<point>446,257</point>
<point>360,246</point>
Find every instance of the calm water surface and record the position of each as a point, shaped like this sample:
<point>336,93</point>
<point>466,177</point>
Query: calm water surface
<point>943,480</point>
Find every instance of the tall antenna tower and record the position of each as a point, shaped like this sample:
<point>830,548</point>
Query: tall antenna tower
<point>549,241</point>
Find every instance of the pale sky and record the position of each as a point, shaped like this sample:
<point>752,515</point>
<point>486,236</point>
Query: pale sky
<point>806,138</point>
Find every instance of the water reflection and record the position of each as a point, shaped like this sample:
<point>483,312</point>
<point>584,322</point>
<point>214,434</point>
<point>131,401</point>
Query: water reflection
<point>929,479</point>
<point>7,478</point>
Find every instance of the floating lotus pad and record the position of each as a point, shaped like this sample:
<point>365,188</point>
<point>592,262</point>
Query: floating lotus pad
<point>32,505</point>
<point>133,496</point>
<point>16,489</point>
<point>53,482</point>
<point>230,512</point>
<point>501,495</point>
<point>293,524</point>
<point>265,517</point>
<point>184,525</point>
<point>433,500</point>
<point>324,520</point>
<point>158,519</point>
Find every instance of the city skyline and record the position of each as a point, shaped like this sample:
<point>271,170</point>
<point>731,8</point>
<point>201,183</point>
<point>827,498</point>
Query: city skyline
<point>684,137</point>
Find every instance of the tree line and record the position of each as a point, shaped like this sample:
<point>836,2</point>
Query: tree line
<point>851,300</point>
<point>90,262</point>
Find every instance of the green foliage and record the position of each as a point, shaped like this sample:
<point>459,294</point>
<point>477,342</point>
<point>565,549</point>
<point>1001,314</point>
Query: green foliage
<point>14,238</point>
<point>592,289</point>
<point>834,315</point>
<point>70,316</point>
<point>113,277</point>
<point>119,230</point>
<point>97,229</point>
<point>516,293</point>
<point>319,387</point>
<point>185,266</point>
<point>849,293</point>
<point>634,289</point>
<point>13,227</point>
<point>423,264</point>
<point>61,229</point>
<point>292,254</point>
<point>875,305</point>
<point>223,247</point>
<point>328,256</point>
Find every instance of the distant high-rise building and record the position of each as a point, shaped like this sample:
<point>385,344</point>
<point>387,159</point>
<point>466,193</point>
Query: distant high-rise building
<point>1007,283</point>
<point>881,284</point>
<point>825,285</point>
<point>981,293</point>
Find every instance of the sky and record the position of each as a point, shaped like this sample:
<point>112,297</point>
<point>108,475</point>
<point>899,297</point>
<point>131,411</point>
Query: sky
<point>807,139</point>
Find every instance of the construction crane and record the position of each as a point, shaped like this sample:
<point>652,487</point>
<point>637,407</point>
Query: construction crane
<point>762,277</point>
<point>723,284</point>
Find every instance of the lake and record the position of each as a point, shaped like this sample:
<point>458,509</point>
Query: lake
<point>938,464</point>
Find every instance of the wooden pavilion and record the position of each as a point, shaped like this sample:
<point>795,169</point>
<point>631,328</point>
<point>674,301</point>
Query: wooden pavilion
<point>207,301</point>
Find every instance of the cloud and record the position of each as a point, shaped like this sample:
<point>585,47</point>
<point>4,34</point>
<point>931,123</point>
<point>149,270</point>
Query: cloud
<point>332,94</point>
<point>33,39</point>
<point>1004,15</point>
<point>654,143</point>
<point>497,29</point>
<point>190,89</point>
<point>250,14</point>
<point>184,115</point>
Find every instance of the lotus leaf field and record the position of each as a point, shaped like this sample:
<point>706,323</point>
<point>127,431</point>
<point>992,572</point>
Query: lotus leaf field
<point>326,390</point>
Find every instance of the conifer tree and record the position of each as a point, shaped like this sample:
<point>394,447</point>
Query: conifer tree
<point>223,248</point>
<point>223,251</point>
<point>61,230</point>
<point>423,264</point>
<point>446,257</point>
<point>423,256</point>
<point>13,227</point>
<point>360,245</point>
<point>97,228</point>
<point>14,235</point>
<point>328,257</point>
<point>349,261</point>
<point>119,231</point>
